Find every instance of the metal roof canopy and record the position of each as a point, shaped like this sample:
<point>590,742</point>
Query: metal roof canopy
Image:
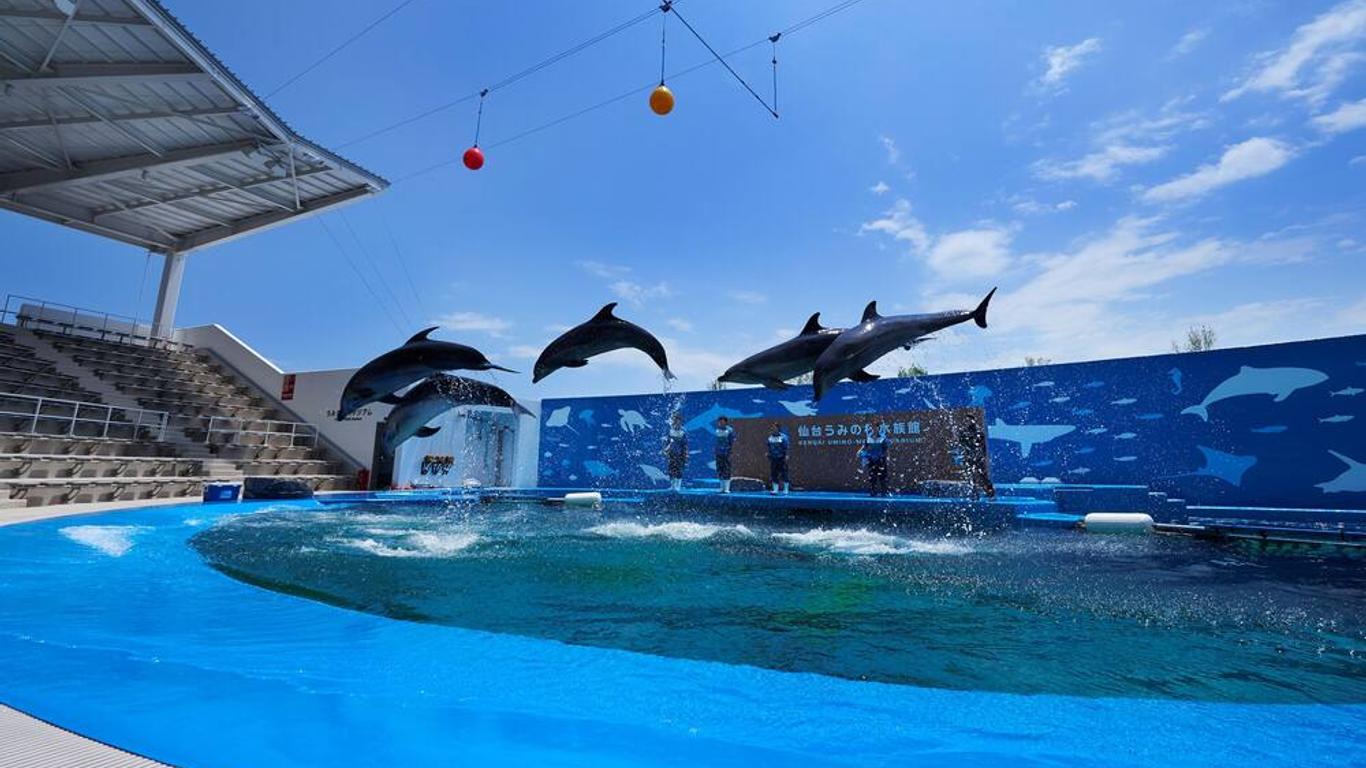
<point>115,120</point>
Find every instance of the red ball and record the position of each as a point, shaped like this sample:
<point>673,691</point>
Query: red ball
<point>474,158</point>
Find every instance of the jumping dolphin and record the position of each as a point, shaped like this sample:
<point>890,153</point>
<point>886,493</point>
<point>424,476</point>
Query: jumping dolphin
<point>603,332</point>
<point>433,397</point>
<point>774,366</point>
<point>417,359</point>
<point>875,335</point>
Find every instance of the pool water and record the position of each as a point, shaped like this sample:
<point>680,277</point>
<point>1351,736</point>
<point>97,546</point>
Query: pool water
<point>417,635</point>
<point>1019,612</point>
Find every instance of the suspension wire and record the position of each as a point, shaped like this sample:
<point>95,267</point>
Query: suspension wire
<point>479,118</point>
<point>142,286</point>
<point>788,31</point>
<point>663,35</point>
<point>374,265</point>
<point>668,7</point>
<point>774,40</point>
<point>507,81</point>
<point>403,262</point>
<point>348,41</point>
<point>323,221</point>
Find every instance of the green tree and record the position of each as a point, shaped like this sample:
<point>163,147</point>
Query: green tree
<point>1030,362</point>
<point>911,371</point>
<point>1199,338</point>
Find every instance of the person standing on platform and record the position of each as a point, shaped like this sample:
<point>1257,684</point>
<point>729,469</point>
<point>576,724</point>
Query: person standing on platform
<point>676,452</point>
<point>725,440</point>
<point>873,456</point>
<point>777,460</point>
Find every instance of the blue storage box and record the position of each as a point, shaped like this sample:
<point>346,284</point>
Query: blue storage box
<point>222,492</point>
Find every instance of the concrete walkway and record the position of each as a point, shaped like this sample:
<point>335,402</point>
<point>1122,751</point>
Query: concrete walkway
<point>27,742</point>
<point>15,515</point>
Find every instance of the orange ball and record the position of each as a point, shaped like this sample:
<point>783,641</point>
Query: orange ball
<point>662,100</point>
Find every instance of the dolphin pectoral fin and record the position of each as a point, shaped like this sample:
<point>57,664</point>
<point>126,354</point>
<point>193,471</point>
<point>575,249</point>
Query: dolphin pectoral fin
<point>863,377</point>
<point>870,312</point>
<point>776,384</point>
<point>421,335</point>
<point>574,364</point>
<point>391,400</point>
<point>426,431</point>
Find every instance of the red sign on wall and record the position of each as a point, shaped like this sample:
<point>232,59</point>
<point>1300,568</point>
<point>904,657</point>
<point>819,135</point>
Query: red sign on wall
<point>287,387</point>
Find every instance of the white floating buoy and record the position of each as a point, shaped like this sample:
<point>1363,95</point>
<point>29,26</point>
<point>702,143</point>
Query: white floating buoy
<point>1118,522</point>
<point>584,499</point>
<point>1051,481</point>
<point>1029,480</point>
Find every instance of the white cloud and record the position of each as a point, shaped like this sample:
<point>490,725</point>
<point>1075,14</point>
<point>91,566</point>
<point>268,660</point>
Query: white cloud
<point>523,352</point>
<point>695,367</point>
<point>1188,42</point>
<point>679,324</point>
<point>1255,157</point>
<point>889,146</point>
<point>1063,60</point>
<point>898,223</point>
<point>602,269</point>
<point>1358,160</point>
<point>971,253</point>
<point>637,294</point>
<point>1098,166</point>
<point>1066,205</point>
<point>748,297</point>
<point>473,321</point>
<point>1319,56</point>
<point>1134,127</point>
<point>1347,117</point>
<point>1028,206</point>
<point>880,188</point>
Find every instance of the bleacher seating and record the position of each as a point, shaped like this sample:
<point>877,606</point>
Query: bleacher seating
<point>216,423</point>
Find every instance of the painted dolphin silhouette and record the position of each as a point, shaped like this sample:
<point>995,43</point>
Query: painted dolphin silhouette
<point>417,359</point>
<point>860,346</point>
<point>707,418</point>
<point>773,367</point>
<point>1279,382</point>
<point>1027,435</point>
<point>601,333</point>
<point>433,397</point>
<point>1351,481</point>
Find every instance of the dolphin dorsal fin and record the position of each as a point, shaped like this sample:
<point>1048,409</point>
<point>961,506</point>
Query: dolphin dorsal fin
<point>421,335</point>
<point>870,312</point>
<point>605,313</point>
<point>813,325</point>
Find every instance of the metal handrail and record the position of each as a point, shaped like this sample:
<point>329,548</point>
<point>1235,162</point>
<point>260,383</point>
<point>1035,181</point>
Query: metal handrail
<point>154,421</point>
<point>75,327</point>
<point>295,431</point>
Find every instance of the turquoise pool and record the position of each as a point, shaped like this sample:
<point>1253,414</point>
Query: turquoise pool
<point>396,633</point>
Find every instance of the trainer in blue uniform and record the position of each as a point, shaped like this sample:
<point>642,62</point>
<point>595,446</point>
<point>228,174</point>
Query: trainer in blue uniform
<point>873,456</point>
<point>777,459</point>
<point>676,451</point>
<point>725,440</point>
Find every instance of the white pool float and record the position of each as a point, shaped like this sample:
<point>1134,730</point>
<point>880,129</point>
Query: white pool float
<point>583,499</point>
<point>1119,522</point>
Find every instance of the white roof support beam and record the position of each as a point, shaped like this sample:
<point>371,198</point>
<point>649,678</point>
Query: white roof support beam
<point>27,181</point>
<point>188,114</point>
<point>215,190</point>
<point>257,223</point>
<point>210,173</point>
<point>104,75</point>
<point>78,218</point>
<point>79,18</point>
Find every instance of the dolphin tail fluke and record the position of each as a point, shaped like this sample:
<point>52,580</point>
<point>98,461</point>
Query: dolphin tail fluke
<point>426,431</point>
<point>1198,410</point>
<point>668,374</point>
<point>979,315</point>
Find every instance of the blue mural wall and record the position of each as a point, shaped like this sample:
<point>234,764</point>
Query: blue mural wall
<point>1273,425</point>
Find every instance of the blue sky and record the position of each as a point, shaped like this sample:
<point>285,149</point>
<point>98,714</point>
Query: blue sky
<point>1120,171</point>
